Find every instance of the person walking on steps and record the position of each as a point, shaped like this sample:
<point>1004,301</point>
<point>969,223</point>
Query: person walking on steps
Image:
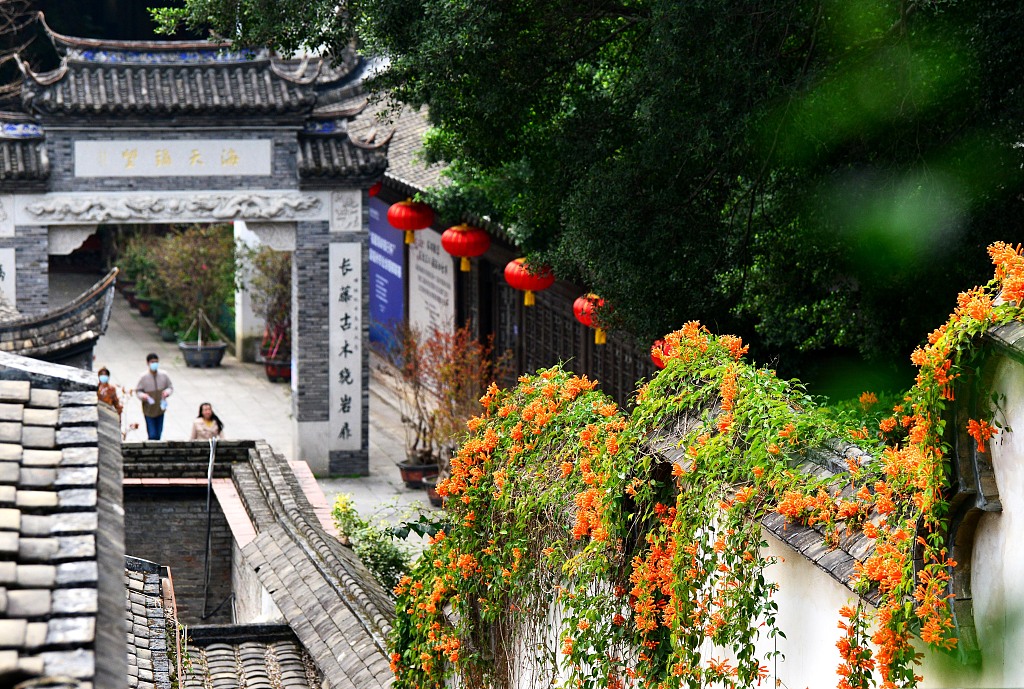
<point>153,389</point>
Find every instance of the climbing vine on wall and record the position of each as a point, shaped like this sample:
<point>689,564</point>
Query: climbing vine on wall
<point>576,553</point>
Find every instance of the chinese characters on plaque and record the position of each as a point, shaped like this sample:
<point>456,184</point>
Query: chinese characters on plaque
<point>173,158</point>
<point>346,338</point>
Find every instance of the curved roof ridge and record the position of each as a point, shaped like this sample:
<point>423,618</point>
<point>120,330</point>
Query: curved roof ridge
<point>297,76</point>
<point>72,42</point>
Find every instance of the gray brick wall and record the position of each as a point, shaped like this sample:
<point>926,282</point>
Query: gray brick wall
<point>60,148</point>
<point>30,244</point>
<point>309,320</point>
<point>168,526</point>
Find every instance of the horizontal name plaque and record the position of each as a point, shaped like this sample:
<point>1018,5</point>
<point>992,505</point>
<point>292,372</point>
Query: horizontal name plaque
<point>177,158</point>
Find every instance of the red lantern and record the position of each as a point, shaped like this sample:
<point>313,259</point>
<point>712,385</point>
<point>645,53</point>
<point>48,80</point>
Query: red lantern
<point>410,216</point>
<point>583,308</point>
<point>518,276</point>
<point>465,242</point>
<point>659,353</point>
<point>375,189</point>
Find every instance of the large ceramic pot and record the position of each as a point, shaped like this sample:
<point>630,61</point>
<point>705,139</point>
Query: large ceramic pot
<point>430,483</point>
<point>144,305</point>
<point>278,370</point>
<point>414,473</point>
<point>207,355</point>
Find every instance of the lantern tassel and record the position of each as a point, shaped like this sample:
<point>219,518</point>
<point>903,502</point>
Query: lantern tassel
<point>528,298</point>
<point>408,237</point>
<point>464,264</point>
<point>600,337</point>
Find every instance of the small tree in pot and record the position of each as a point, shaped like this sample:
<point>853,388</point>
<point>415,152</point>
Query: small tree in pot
<point>195,277</point>
<point>270,285</point>
<point>438,380</point>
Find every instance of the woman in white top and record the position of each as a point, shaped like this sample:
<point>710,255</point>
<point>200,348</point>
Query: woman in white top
<point>207,425</point>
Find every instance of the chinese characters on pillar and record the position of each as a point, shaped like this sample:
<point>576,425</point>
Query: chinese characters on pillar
<point>346,345</point>
<point>173,158</point>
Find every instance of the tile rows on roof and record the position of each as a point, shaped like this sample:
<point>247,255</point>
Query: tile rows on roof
<point>336,157</point>
<point>48,523</point>
<point>203,88</point>
<point>148,664</point>
<point>53,334</point>
<point>23,160</point>
<point>281,664</point>
<point>335,607</point>
<point>405,150</point>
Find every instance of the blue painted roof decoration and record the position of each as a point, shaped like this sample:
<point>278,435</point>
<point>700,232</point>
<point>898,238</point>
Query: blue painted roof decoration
<point>20,130</point>
<point>164,56</point>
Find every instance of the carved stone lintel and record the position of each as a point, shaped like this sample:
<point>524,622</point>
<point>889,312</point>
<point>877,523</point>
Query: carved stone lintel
<point>64,240</point>
<point>346,211</point>
<point>81,209</point>
<point>279,236</point>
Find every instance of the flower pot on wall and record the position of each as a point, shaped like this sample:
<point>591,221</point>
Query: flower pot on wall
<point>206,355</point>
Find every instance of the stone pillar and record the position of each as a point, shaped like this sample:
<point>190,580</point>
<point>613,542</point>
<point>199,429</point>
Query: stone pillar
<point>30,283</point>
<point>330,326</point>
<point>310,384</point>
<point>248,328</point>
<point>279,236</point>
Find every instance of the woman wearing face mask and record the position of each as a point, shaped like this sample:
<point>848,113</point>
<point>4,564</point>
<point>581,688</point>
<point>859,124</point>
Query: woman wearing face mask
<point>107,392</point>
<point>153,388</point>
<point>207,425</point>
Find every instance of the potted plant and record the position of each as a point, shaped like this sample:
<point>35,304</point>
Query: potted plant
<point>195,277</point>
<point>137,265</point>
<point>438,380</point>
<point>270,285</point>
<point>169,326</point>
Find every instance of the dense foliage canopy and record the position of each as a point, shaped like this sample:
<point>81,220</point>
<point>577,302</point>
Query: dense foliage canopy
<point>810,173</point>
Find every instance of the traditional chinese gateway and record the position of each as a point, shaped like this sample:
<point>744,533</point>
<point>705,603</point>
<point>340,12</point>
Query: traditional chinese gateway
<point>178,132</point>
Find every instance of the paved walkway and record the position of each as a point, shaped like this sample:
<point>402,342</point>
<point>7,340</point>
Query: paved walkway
<point>250,406</point>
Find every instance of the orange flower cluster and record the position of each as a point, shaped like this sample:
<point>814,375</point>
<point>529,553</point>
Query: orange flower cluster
<point>867,400</point>
<point>729,389</point>
<point>981,431</point>
<point>1009,263</point>
<point>976,304</point>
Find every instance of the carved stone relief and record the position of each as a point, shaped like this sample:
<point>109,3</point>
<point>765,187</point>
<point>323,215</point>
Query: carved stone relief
<point>346,211</point>
<point>82,209</point>
<point>279,236</point>
<point>67,238</point>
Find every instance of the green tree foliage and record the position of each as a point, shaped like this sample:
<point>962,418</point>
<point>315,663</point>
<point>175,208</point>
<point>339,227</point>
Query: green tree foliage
<point>810,173</point>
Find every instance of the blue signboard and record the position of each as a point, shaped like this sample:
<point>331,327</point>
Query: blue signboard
<point>387,268</point>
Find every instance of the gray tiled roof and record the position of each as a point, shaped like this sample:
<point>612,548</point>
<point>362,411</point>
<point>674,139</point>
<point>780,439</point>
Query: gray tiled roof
<point>338,158</point>
<point>23,160</point>
<point>49,461</point>
<point>249,657</point>
<point>59,333</point>
<point>103,77</point>
<point>406,169</point>
<point>148,664</point>
<point>337,610</point>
